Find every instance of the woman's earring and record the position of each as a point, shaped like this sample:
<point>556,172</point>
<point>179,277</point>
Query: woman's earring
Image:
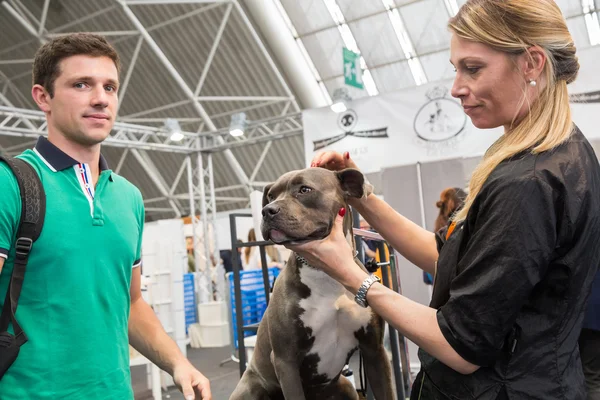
<point>532,83</point>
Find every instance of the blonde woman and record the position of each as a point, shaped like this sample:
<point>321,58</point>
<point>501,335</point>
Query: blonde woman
<point>513,273</point>
<point>251,258</point>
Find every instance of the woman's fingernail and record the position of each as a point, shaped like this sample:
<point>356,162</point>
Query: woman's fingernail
<point>342,212</point>
<point>347,155</point>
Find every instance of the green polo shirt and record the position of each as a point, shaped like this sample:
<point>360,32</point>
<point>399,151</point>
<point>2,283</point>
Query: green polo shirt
<point>74,305</point>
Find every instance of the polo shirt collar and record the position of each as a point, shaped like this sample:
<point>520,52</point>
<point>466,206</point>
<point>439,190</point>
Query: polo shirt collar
<point>57,159</point>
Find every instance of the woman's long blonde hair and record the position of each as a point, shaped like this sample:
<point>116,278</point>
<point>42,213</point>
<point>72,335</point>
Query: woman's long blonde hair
<point>513,26</point>
<point>248,250</point>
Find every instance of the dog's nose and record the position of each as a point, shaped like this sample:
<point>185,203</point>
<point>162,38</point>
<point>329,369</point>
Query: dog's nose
<point>270,210</point>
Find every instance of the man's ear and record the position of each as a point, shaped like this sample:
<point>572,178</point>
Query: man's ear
<point>352,182</point>
<point>265,199</point>
<point>41,97</point>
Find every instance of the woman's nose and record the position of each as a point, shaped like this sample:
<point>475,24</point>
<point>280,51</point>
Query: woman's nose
<point>459,89</point>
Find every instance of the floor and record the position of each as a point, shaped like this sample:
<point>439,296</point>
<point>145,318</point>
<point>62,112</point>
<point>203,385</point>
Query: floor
<point>223,378</point>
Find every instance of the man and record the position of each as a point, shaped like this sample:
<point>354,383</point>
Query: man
<point>81,301</point>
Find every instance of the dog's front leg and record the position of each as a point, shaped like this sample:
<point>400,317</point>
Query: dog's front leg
<point>288,375</point>
<point>377,367</point>
<point>377,364</point>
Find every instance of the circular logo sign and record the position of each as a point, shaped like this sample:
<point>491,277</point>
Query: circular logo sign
<point>439,120</point>
<point>347,120</point>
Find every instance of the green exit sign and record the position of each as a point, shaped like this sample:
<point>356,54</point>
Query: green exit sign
<point>352,70</point>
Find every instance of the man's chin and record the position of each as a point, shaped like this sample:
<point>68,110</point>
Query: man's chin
<point>89,139</point>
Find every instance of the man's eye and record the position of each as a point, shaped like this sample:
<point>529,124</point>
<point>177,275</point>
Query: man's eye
<point>305,189</point>
<point>110,88</point>
<point>79,85</point>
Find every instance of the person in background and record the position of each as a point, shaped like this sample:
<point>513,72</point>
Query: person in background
<point>272,253</point>
<point>239,251</point>
<point>369,246</point>
<point>189,244</point>
<point>451,200</point>
<point>225,256</point>
<point>251,257</point>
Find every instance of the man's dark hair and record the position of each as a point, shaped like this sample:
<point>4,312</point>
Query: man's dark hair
<point>46,65</point>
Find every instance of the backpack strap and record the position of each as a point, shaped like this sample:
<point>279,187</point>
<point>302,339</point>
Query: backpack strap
<point>33,211</point>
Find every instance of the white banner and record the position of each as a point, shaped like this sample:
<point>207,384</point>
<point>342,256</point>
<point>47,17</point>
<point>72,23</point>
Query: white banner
<point>425,123</point>
<point>416,125</point>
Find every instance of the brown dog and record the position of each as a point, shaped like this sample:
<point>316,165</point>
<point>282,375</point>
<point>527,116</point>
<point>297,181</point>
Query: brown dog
<point>312,324</point>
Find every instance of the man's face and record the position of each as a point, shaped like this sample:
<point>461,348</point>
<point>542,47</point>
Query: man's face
<point>84,106</point>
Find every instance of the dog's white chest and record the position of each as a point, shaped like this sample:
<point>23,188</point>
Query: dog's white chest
<point>333,316</point>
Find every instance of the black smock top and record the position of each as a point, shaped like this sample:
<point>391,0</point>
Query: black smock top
<point>514,278</point>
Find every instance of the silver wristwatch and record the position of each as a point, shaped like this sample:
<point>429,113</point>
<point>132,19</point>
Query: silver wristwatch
<point>361,295</point>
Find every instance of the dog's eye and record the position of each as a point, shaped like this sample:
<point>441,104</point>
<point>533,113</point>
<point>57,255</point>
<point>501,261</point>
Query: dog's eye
<point>305,189</point>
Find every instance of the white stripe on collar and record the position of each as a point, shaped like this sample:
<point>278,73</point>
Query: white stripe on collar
<point>44,160</point>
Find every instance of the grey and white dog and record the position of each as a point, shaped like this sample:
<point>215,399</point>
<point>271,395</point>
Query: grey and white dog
<point>312,325</point>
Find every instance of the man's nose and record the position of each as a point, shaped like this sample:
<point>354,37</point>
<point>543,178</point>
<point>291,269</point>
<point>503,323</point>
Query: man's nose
<point>99,98</point>
<point>270,210</point>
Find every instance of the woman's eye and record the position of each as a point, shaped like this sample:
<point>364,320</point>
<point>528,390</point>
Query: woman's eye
<point>473,70</point>
<point>305,189</point>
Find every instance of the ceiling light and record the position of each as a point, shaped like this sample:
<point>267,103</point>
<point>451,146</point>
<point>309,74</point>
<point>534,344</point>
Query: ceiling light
<point>176,137</point>
<point>238,124</point>
<point>338,107</point>
<point>340,97</point>
<point>172,126</point>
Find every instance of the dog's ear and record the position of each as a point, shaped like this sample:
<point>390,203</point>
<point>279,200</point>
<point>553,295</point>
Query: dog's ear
<point>265,199</point>
<point>353,183</point>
